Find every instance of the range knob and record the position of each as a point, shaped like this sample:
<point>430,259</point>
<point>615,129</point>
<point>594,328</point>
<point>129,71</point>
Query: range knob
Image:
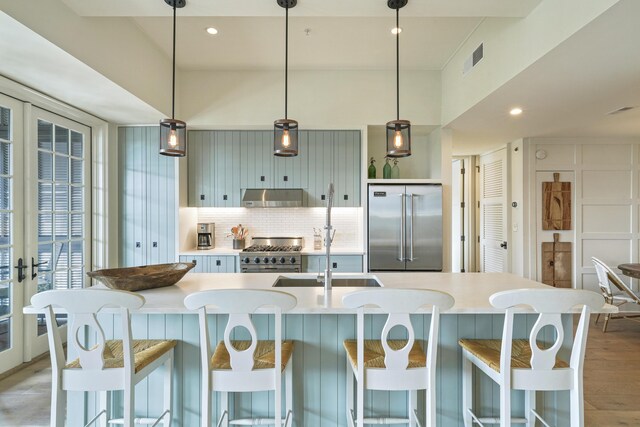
<point>292,260</point>
<point>282,260</point>
<point>256,260</point>
<point>266,260</point>
<point>246,260</point>
<point>273,260</point>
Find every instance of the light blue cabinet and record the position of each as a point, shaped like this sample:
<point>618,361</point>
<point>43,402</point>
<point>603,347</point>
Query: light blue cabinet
<point>223,163</point>
<point>147,198</point>
<point>214,168</point>
<point>339,263</point>
<point>211,263</point>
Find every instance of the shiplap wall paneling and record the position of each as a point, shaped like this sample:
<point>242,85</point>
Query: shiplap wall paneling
<point>320,171</point>
<point>255,147</point>
<point>148,198</point>
<point>346,168</point>
<point>293,172</point>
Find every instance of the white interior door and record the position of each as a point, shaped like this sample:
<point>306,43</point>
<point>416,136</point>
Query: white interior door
<point>58,202</point>
<point>494,249</point>
<point>11,233</point>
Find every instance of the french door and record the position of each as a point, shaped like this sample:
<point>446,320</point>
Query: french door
<point>44,219</point>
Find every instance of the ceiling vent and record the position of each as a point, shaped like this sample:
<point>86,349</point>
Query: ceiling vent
<point>620,110</point>
<point>473,59</point>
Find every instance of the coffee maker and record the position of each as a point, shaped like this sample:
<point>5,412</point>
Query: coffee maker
<point>206,235</point>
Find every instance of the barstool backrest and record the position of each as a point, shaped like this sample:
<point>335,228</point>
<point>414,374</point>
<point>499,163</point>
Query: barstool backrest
<point>550,304</point>
<point>398,304</point>
<point>239,304</point>
<point>606,277</point>
<point>82,305</point>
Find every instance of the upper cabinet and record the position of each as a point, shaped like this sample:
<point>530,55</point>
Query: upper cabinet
<point>223,163</point>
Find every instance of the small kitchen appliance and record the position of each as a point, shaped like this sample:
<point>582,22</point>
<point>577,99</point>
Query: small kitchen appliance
<point>206,235</point>
<point>272,255</point>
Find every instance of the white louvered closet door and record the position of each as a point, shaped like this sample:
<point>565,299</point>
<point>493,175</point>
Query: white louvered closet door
<point>493,212</point>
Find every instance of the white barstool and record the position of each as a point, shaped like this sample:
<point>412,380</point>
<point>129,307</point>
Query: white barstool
<point>394,364</point>
<point>244,366</point>
<point>107,366</point>
<point>524,364</point>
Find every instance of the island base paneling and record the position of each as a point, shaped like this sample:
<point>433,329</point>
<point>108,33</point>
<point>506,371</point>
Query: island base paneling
<point>319,367</point>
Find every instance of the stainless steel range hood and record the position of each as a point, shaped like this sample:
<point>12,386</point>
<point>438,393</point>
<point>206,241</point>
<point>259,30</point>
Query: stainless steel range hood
<point>272,198</point>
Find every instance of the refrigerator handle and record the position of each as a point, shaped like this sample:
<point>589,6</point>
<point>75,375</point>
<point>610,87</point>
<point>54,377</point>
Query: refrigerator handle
<point>402,227</point>
<point>411,230</point>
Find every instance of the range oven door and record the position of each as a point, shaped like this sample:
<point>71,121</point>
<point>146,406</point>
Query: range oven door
<point>269,269</point>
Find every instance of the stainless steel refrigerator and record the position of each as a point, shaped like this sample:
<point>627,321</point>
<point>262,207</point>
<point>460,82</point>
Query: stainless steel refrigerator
<point>405,227</point>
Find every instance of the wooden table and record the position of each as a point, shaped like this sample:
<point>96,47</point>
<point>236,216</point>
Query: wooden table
<point>631,270</point>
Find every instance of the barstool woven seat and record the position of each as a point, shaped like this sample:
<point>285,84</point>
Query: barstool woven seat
<point>374,353</point>
<point>264,356</point>
<point>489,352</point>
<point>144,353</point>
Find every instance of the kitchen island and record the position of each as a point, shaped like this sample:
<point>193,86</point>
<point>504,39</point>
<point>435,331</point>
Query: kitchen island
<point>318,325</point>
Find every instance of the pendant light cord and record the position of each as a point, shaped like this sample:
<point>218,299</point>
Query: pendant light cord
<point>173,79</point>
<point>398,63</point>
<point>286,60</point>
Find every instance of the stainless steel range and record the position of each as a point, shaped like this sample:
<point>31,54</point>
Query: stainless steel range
<point>272,255</point>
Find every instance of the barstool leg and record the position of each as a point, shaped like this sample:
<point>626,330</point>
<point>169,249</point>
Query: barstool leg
<point>505,406</point>
<point>577,402</point>
<point>288,393</point>
<point>349,394</point>
<point>224,407</point>
<point>413,405</point>
<point>467,390</point>
<point>205,398</point>
<point>129,404</point>
<point>104,406</point>
<point>58,404</point>
<point>529,407</point>
<point>168,382</point>
<point>431,402</point>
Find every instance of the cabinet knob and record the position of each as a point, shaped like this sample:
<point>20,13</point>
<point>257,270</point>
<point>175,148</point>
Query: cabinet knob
<point>346,197</point>
<point>286,178</point>
<point>224,197</point>
<point>202,197</point>
<point>322,197</point>
<point>262,178</point>
<point>335,265</point>
<point>138,245</point>
<point>218,262</point>
<point>155,244</point>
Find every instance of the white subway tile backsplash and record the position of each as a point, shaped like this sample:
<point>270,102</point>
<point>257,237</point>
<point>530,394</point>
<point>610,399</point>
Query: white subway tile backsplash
<point>286,222</point>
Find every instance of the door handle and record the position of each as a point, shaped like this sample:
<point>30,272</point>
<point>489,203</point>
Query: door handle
<point>503,245</point>
<point>403,225</point>
<point>411,231</point>
<point>21,267</point>
<point>34,266</point>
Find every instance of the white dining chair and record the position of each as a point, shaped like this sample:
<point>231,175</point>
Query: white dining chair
<point>244,365</point>
<point>107,366</point>
<point>520,364</point>
<point>619,294</point>
<point>384,364</point>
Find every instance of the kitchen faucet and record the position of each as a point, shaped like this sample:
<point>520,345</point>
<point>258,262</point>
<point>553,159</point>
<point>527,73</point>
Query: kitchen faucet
<point>328,239</point>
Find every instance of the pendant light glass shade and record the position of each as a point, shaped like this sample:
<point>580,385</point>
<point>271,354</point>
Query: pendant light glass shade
<point>285,138</point>
<point>398,131</point>
<point>285,131</point>
<point>173,137</point>
<point>398,138</point>
<point>173,133</point>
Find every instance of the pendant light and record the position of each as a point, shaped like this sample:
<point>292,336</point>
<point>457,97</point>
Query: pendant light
<point>285,131</point>
<point>398,131</point>
<point>173,133</point>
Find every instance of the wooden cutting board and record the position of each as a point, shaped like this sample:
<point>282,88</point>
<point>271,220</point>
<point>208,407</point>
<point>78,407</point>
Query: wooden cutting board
<point>556,204</point>
<point>556,263</point>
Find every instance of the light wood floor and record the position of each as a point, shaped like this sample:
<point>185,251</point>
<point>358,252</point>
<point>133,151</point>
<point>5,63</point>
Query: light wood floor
<point>611,382</point>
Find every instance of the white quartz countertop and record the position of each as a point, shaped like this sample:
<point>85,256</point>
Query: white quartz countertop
<point>470,290</point>
<point>307,250</point>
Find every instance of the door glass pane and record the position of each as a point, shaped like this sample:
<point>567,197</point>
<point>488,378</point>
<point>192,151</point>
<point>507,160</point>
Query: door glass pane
<point>61,204</point>
<point>6,223</point>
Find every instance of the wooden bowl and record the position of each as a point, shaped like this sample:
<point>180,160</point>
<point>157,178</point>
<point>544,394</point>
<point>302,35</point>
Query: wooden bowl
<point>143,277</point>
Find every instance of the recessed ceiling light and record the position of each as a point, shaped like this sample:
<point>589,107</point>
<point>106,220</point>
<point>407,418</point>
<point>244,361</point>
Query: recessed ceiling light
<point>396,30</point>
<point>212,31</point>
<point>516,111</point>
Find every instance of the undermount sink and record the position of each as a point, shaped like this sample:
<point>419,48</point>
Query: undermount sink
<point>338,282</point>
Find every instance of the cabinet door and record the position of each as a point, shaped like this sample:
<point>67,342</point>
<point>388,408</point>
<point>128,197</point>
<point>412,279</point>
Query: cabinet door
<point>211,264</point>
<point>320,147</point>
<point>339,264</point>
<point>226,161</point>
<point>200,168</point>
<point>293,172</point>
<point>256,159</point>
<point>132,182</point>
<point>346,168</point>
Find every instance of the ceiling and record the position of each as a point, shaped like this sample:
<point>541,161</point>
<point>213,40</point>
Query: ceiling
<point>568,92</point>
<point>331,43</point>
<point>313,8</point>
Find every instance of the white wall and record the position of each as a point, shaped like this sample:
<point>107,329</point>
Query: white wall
<point>510,46</point>
<point>338,99</point>
<point>605,176</point>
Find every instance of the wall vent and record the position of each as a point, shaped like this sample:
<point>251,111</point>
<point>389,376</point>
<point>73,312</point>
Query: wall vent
<point>473,59</point>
